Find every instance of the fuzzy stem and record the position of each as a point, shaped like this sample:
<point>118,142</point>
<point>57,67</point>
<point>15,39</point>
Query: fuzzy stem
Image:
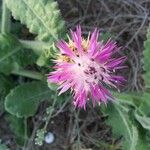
<point>36,46</point>
<point>6,16</point>
<point>25,133</point>
<point>30,74</point>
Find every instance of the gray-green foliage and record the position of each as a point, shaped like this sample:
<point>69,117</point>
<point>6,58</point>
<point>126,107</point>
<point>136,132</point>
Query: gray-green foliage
<point>134,110</point>
<point>130,120</point>
<point>146,58</point>
<point>17,127</point>
<point>9,53</point>
<point>23,100</point>
<point>143,112</point>
<point>42,17</point>
<point>6,84</point>
<point>12,55</point>
<point>122,126</point>
<point>129,116</point>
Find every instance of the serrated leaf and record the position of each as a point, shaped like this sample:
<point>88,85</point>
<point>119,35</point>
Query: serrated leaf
<point>42,17</point>
<point>122,126</point>
<point>23,100</point>
<point>12,56</point>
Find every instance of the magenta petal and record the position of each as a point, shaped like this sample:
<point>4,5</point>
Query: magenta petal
<point>80,99</point>
<point>88,72</point>
<point>64,88</point>
<point>116,62</point>
<point>62,45</point>
<point>77,39</point>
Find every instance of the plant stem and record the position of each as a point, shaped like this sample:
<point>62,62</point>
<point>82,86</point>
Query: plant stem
<point>50,114</point>
<point>25,133</point>
<point>30,74</point>
<point>6,16</point>
<point>36,46</point>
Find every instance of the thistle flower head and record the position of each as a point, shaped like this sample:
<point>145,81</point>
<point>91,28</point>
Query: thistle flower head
<point>87,66</point>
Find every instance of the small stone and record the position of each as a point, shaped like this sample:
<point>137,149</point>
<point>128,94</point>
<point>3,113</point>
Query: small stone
<point>49,138</point>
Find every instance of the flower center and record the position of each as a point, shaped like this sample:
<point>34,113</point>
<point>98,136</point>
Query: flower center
<point>89,70</point>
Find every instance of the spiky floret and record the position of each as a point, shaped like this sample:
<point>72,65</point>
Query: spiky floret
<point>87,66</point>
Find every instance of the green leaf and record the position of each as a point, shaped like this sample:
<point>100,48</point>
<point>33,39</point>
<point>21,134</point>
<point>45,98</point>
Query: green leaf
<point>5,85</point>
<point>146,58</point>
<point>143,120</point>
<point>23,100</point>
<point>42,17</point>
<point>53,86</point>
<point>3,147</point>
<point>144,107</point>
<point>142,114</point>
<point>121,126</point>
<point>143,143</point>
<point>12,56</point>
<point>9,53</point>
<point>17,127</point>
<point>124,98</point>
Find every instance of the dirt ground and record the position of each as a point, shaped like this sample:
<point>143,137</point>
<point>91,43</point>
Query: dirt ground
<point>127,21</point>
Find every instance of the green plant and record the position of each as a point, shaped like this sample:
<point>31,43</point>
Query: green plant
<point>28,61</point>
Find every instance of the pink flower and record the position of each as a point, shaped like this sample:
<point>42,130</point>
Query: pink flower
<point>87,66</point>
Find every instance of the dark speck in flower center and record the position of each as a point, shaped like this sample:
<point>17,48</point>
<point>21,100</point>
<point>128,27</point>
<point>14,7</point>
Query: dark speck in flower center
<point>103,69</point>
<point>90,70</point>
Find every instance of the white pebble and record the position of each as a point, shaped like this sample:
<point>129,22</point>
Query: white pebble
<point>49,138</point>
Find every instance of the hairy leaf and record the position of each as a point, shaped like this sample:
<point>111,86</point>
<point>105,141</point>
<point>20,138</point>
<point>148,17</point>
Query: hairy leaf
<point>121,126</point>
<point>17,127</point>
<point>9,53</point>
<point>142,114</point>
<point>143,120</point>
<point>5,85</point>
<point>42,17</point>
<point>12,56</point>
<point>124,98</point>
<point>23,100</point>
<point>146,58</point>
<point>144,107</point>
